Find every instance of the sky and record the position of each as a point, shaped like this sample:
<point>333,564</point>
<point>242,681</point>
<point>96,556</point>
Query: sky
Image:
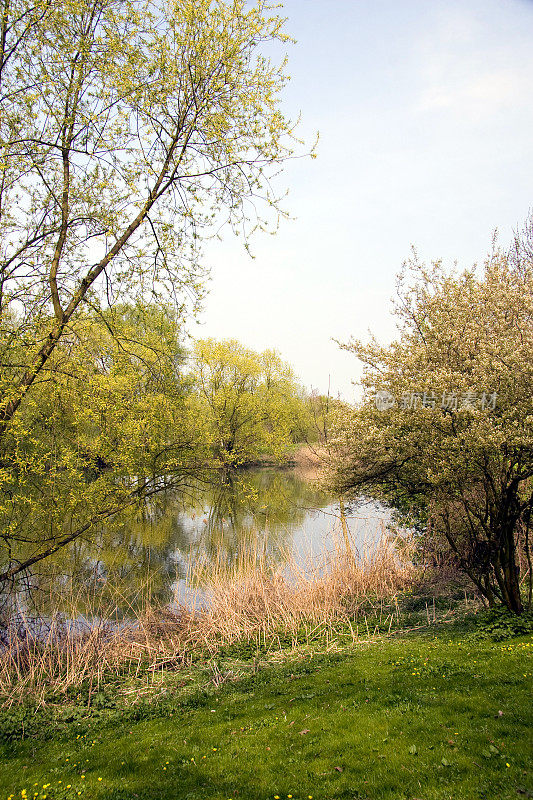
<point>425,115</point>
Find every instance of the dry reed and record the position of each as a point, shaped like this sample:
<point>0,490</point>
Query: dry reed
<point>248,600</point>
<point>251,599</point>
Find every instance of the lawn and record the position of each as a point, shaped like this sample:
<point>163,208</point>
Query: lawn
<point>440,715</point>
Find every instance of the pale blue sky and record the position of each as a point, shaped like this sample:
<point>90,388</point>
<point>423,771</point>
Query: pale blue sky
<point>425,114</point>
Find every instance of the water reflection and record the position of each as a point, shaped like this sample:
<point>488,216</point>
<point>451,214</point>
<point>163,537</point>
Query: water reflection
<point>264,504</point>
<point>147,554</point>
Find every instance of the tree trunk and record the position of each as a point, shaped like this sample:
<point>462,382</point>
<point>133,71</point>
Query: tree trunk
<point>511,571</point>
<point>506,568</point>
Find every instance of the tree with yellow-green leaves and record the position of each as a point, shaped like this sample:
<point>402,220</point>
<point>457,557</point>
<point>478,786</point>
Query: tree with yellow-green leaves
<point>444,433</point>
<point>129,130</point>
<point>126,129</point>
<point>110,426</point>
<point>250,402</point>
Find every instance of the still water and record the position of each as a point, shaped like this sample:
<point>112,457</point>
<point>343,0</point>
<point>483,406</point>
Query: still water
<point>279,513</point>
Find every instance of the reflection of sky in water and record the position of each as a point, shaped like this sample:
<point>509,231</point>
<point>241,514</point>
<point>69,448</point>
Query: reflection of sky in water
<point>270,513</point>
<point>321,530</point>
<point>314,533</point>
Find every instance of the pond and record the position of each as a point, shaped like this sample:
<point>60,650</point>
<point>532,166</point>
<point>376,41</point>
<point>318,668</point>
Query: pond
<point>277,514</point>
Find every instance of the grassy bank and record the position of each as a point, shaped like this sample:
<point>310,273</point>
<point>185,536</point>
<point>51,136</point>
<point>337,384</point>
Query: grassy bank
<point>252,602</point>
<point>442,713</point>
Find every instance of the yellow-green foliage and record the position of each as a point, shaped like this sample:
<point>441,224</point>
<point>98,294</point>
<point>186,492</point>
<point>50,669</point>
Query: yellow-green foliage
<point>250,401</point>
<point>126,128</point>
<point>110,419</point>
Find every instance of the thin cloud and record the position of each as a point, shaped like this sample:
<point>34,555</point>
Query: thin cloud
<point>476,95</point>
<point>468,67</point>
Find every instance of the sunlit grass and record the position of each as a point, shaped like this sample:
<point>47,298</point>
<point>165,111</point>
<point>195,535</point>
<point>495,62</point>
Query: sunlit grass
<point>431,717</point>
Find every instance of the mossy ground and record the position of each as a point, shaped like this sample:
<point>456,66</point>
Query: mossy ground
<point>431,716</point>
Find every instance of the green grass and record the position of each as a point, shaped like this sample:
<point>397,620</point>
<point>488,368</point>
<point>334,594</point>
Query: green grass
<point>427,717</point>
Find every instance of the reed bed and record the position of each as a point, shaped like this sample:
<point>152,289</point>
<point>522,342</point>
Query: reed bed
<point>251,599</point>
<point>271,606</point>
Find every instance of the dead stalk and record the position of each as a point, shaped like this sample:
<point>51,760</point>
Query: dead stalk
<point>251,600</point>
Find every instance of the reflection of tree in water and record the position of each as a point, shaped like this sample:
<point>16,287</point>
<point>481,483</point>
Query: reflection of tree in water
<point>127,562</point>
<point>255,509</point>
<point>140,555</point>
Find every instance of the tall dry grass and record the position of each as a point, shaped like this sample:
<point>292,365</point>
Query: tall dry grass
<point>250,599</point>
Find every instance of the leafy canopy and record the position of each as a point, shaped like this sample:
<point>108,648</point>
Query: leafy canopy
<point>250,401</point>
<point>129,129</point>
<point>453,465</point>
<point>112,424</point>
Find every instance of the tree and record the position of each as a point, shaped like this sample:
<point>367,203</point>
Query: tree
<point>445,430</point>
<point>129,131</point>
<point>126,126</point>
<point>111,426</point>
<point>249,401</point>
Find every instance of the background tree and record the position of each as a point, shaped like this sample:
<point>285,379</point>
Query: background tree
<point>321,410</point>
<point>250,401</point>
<point>454,454</point>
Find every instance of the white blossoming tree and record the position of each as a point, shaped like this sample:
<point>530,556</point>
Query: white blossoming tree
<point>449,440</point>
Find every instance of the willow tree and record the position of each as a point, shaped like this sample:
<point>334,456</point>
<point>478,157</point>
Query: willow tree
<point>125,127</point>
<point>445,431</point>
<point>249,402</point>
<point>111,426</point>
<point>129,130</point>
